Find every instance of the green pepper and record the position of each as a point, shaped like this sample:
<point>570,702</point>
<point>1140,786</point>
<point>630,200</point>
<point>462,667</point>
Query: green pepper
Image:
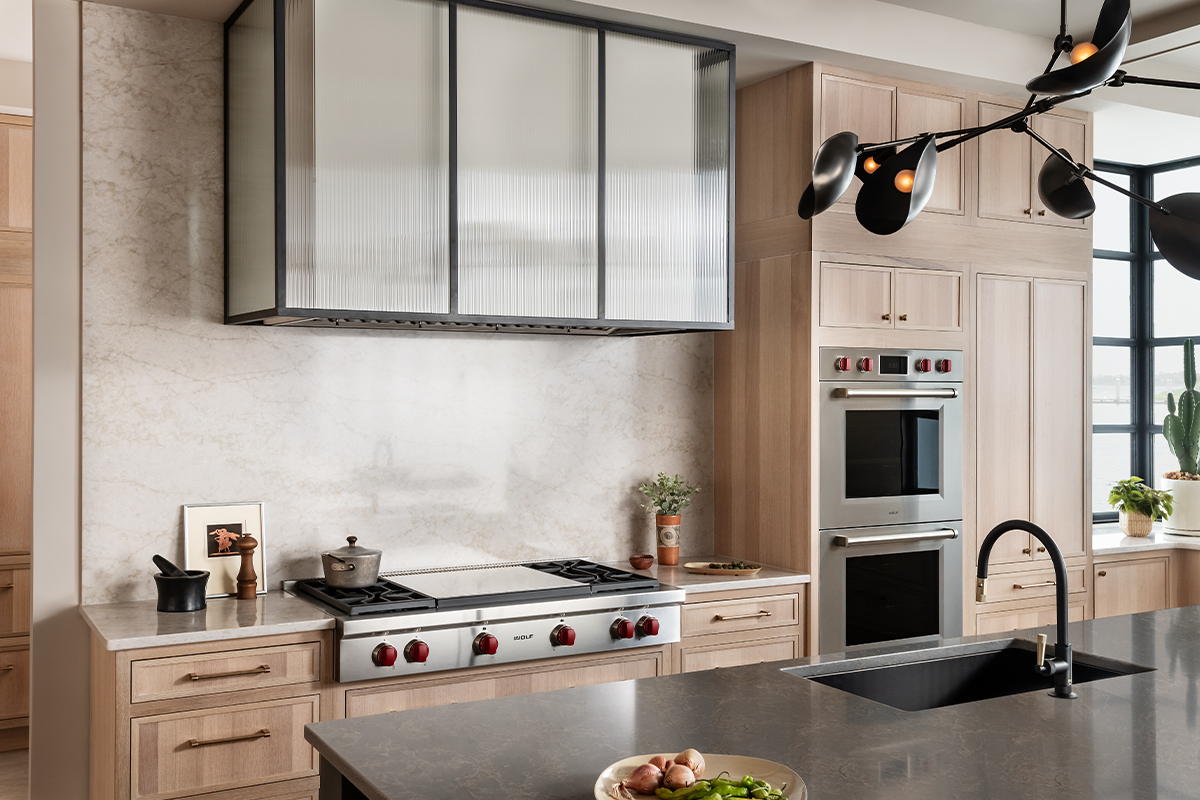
<point>673,794</point>
<point>759,793</point>
<point>698,790</point>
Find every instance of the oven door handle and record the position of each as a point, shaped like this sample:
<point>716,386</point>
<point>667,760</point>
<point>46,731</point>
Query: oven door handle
<point>842,391</point>
<point>842,540</point>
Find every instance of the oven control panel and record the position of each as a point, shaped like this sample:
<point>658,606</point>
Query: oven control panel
<point>865,364</point>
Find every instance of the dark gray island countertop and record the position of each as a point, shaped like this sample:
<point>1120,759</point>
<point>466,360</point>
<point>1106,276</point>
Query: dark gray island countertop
<point>1134,736</point>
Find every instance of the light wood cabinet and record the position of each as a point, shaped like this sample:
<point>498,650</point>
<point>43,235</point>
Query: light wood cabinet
<point>1033,584</point>
<point>864,296</point>
<point>209,673</point>
<point>1132,586</point>
<point>864,107</point>
<point>1015,619</point>
<point>711,653</point>
<point>16,419</point>
<point>920,112</point>
<point>738,627</point>
<point>16,173</point>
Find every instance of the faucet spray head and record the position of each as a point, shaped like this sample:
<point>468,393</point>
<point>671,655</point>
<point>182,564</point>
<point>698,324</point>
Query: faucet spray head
<point>981,590</point>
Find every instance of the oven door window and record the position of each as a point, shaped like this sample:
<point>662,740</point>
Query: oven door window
<point>893,596</point>
<point>893,453</point>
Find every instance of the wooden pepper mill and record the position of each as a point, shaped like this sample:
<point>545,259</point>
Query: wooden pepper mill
<point>247,579</point>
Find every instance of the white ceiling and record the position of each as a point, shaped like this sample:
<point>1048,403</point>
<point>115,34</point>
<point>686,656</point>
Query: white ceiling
<point>16,30</point>
<point>1035,17</point>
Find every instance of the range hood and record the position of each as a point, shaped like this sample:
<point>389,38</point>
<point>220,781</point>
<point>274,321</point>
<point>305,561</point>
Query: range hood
<point>455,166</point>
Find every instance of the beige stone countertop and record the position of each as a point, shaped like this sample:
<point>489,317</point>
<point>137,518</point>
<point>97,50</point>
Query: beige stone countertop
<point>680,578</point>
<point>1107,540</point>
<point>139,623</point>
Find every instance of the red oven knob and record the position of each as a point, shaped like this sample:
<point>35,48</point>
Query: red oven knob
<point>924,365</point>
<point>622,629</point>
<point>563,635</point>
<point>486,644</point>
<point>417,651</point>
<point>944,365</point>
<point>648,626</point>
<point>384,655</point>
<point>842,364</point>
<point>866,364</point>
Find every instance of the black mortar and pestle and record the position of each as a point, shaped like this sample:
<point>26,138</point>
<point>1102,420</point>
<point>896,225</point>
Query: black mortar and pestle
<point>179,590</point>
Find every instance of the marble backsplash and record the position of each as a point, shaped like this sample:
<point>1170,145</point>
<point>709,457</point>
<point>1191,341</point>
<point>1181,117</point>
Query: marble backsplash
<point>436,448</point>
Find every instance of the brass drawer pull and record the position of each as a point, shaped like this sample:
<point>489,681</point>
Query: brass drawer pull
<point>755,615</point>
<point>6,586</point>
<point>264,733</point>
<point>1033,585</point>
<point>8,667</point>
<point>259,670</point>
<point>1102,573</point>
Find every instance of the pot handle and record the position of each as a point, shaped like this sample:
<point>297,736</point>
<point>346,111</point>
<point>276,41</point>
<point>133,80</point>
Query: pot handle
<point>349,566</point>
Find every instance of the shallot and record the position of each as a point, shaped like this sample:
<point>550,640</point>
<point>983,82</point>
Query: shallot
<point>692,760</point>
<point>643,780</point>
<point>659,761</point>
<point>678,777</point>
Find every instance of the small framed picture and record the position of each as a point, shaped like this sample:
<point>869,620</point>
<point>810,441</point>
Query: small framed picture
<point>210,536</point>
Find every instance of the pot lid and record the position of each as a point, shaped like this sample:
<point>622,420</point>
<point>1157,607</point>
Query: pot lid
<point>352,550</point>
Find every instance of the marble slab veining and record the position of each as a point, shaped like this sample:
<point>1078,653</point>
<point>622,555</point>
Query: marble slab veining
<point>130,625</point>
<point>439,449</point>
<point>692,583</point>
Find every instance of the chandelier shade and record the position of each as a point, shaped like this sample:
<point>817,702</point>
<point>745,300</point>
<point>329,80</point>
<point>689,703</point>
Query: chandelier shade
<point>1110,38</point>
<point>833,170</point>
<point>883,207</point>
<point>1062,191</point>
<point>1177,233</point>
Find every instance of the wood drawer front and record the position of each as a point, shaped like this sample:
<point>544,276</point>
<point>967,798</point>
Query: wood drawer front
<point>1130,587</point>
<point>168,678</point>
<point>1036,584</point>
<point>14,600</point>
<point>362,702</point>
<point>163,763</point>
<point>1021,618</point>
<point>737,654</point>
<point>14,683</point>
<point>752,613</point>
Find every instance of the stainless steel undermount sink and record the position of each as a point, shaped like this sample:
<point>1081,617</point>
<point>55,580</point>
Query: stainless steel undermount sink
<point>947,676</point>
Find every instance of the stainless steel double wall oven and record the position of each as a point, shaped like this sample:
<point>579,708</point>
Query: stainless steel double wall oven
<point>891,427</point>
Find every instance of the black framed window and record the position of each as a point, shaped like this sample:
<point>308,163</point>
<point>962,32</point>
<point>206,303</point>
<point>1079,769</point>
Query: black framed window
<point>1143,310</point>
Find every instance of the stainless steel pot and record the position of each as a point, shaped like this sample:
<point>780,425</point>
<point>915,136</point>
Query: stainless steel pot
<point>351,567</point>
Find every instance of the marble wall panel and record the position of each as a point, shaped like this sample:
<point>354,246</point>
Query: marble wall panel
<point>436,448</point>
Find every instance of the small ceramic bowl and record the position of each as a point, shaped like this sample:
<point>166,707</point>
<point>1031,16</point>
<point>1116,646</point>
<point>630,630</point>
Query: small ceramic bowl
<point>642,561</point>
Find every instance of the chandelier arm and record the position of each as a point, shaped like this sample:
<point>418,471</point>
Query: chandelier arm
<point>1082,171</point>
<point>1124,79</point>
<point>1053,61</point>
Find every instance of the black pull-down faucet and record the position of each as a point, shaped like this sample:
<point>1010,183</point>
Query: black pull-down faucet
<point>1060,665</point>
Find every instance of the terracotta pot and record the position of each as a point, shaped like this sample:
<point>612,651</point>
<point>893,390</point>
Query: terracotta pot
<point>1185,519</point>
<point>668,539</point>
<point>1135,524</point>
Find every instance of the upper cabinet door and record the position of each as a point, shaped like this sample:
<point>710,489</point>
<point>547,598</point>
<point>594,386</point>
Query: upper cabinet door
<point>856,296</point>
<point>1005,169</point>
<point>16,419</point>
<point>920,113</point>
<point>867,109</point>
<point>928,300</point>
<point>1065,133</point>
<point>16,174</point>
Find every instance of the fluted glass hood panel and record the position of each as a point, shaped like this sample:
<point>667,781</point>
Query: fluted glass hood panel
<point>374,235</point>
<point>527,167</point>
<point>666,180</point>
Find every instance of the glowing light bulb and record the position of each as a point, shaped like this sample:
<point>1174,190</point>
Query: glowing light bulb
<point>1083,50</point>
<point>870,165</point>
<point>904,180</point>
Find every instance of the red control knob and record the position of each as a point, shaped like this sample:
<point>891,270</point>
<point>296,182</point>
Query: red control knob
<point>563,635</point>
<point>417,651</point>
<point>944,365</point>
<point>866,364</point>
<point>648,626</point>
<point>842,365</point>
<point>384,655</point>
<point>486,644</point>
<point>622,629</point>
<point>924,365</point>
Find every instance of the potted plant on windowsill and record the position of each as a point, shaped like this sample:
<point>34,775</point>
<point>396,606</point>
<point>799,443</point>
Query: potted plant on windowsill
<point>1182,432</point>
<point>668,497</point>
<point>1138,505</point>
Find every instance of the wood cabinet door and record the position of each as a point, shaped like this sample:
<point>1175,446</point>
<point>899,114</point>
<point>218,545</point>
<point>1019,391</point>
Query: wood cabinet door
<point>16,419</point>
<point>14,683</point>
<point>928,300</point>
<point>1130,587</point>
<point>1021,618</point>
<point>1065,133</point>
<point>867,109</point>
<point>16,173</point>
<point>698,657</point>
<point>1002,400</point>
<point>854,296</point>
<point>1005,169</point>
<point>1060,502</point>
<point>916,113</point>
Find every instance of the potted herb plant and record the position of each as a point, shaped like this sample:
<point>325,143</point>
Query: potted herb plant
<point>1181,428</point>
<point>668,497</point>
<point>1138,505</point>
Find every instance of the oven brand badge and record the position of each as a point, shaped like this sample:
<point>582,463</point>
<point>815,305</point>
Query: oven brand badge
<point>522,637</point>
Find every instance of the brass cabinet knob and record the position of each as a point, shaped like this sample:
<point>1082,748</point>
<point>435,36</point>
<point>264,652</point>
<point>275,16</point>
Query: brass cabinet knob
<point>1026,551</point>
<point>887,316</point>
<point>1102,573</point>
<point>1042,213</point>
<point>904,317</point>
<point>1028,212</point>
<point>1041,549</point>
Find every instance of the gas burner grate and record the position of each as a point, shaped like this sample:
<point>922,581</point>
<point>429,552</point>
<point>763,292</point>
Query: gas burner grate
<point>374,599</point>
<point>599,577</point>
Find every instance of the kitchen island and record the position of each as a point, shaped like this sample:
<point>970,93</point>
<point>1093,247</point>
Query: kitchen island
<point>1132,736</point>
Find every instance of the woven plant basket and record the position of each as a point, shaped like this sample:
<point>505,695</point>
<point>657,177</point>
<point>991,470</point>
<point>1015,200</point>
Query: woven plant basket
<point>1135,524</point>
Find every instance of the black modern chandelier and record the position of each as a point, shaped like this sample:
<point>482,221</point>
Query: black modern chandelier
<point>898,176</point>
